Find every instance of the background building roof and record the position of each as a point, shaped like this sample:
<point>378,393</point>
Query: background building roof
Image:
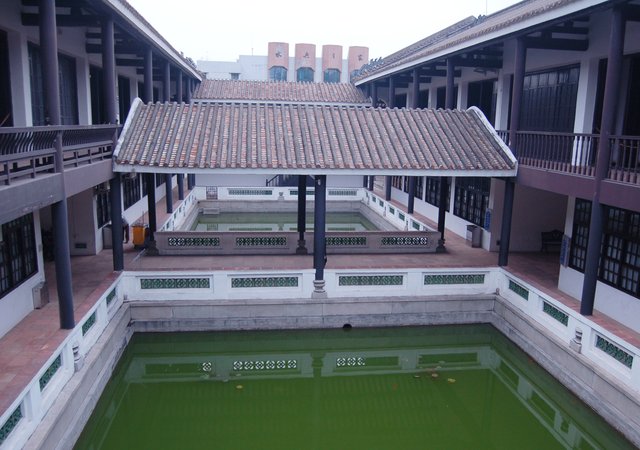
<point>278,91</point>
<point>311,139</point>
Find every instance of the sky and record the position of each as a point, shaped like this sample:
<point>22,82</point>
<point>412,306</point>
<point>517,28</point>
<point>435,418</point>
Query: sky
<point>224,30</point>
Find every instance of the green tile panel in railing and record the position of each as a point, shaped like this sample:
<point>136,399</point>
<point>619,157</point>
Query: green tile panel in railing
<point>175,283</point>
<point>370,280</point>
<point>520,290</point>
<point>457,278</point>
<point>193,242</point>
<point>264,282</point>
<point>405,240</point>
<point>347,241</point>
<point>555,313</point>
<point>268,192</point>
<point>50,372</point>
<point>111,296</point>
<point>10,424</point>
<point>86,326</point>
<point>254,241</point>
<point>614,351</point>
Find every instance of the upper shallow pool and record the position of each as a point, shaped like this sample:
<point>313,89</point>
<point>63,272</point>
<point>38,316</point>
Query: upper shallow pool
<point>456,387</point>
<point>278,221</point>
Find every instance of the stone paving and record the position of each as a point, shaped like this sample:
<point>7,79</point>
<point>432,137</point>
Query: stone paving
<point>27,346</point>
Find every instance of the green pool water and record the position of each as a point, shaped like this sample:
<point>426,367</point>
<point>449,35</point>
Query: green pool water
<point>274,221</point>
<point>461,387</point>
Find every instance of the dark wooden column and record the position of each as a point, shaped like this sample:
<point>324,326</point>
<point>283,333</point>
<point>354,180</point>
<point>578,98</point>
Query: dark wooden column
<point>168,191</point>
<point>392,92</point>
<point>319,224</point>
<point>609,105</point>
<point>415,88</point>
<point>150,179</point>
<point>371,180</point>
<point>442,212</point>
<point>302,214</point>
<point>59,210</point>
<point>450,101</point>
<point>166,82</point>
<point>412,192</point>
<point>179,90</point>
<point>374,94</point>
<point>188,91</point>
<point>387,188</point>
<point>190,181</point>
<point>509,184</point>
<point>180,181</point>
<point>115,184</point>
<point>148,76</point>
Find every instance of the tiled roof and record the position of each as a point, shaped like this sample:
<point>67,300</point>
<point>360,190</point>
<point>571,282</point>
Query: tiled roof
<point>278,91</point>
<point>325,139</point>
<point>468,30</point>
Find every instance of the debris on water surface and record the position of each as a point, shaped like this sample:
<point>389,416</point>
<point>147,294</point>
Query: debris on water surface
<point>451,380</point>
<point>239,387</point>
<point>434,375</point>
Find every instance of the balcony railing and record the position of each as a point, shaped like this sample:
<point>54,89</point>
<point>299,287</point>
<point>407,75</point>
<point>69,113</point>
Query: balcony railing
<point>576,153</point>
<point>26,152</point>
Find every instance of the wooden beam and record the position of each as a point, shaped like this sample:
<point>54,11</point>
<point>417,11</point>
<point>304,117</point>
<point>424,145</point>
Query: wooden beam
<point>33,20</point>
<point>546,43</point>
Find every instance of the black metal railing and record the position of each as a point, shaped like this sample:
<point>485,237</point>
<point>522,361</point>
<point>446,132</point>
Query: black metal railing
<point>26,152</point>
<point>577,153</point>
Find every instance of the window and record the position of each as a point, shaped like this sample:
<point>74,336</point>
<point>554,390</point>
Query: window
<point>235,75</point>
<point>305,74</point>
<point>441,96</point>
<point>278,73</point>
<point>619,264</point>
<point>6,119</point>
<point>96,84</point>
<point>332,76</point>
<point>549,100</point>
<point>484,95</point>
<point>396,182</point>
<point>472,198</point>
<point>18,256</point>
<point>159,179</point>
<point>103,207</point>
<point>131,190</point>
<point>405,184</point>
<point>580,235</point>
<point>68,89</point>
<point>419,187</point>
<point>432,194</point>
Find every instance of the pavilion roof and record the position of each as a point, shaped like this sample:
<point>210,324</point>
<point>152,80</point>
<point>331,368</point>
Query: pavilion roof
<point>278,92</point>
<point>309,139</point>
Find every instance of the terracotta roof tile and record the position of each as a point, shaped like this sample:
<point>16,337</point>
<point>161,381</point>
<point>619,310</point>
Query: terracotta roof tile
<point>314,138</point>
<point>278,91</point>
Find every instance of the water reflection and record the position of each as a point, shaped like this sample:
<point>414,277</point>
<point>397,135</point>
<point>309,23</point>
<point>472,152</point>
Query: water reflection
<point>437,367</point>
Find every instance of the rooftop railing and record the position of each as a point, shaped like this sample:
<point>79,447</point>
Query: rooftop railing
<point>27,152</point>
<point>576,153</point>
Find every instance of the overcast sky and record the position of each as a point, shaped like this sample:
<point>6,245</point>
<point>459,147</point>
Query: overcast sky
<point>223,30</point>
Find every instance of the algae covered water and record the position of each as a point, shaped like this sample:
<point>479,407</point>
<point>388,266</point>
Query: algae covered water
<point>459,387</point>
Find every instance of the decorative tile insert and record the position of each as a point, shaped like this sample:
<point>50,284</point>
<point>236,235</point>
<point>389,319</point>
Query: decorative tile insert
<point>350,361</point>
<point>392,210</point>
<point>111,296</point>
<point>555,313</point>
<point>193,242</point>
<point>262,282</point>
<point>614,351</point>
<point>458,278</point>
<point>401,216</point>
<point>234,191</point>
<point>415,225</point>
<point>308,191</point>
<point>405,240</point>
<point>10,424</point>
<point>279,241</point>
<point>264,365</point>
<point>338,241</point>
<point>520,290</point>
<point>370,280</point>
<point>343,192</point>
<point>86,326</point>
<point>380,202</point>
<point>175,283</point>
<point>50,372</point>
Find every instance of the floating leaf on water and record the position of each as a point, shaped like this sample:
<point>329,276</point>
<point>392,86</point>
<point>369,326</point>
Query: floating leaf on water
<point>239,386</point>
<point>434,375</point>
<point>416,375</point>
<point>451,380</point>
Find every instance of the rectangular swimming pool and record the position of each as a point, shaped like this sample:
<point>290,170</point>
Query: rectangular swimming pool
<point>454,387</point>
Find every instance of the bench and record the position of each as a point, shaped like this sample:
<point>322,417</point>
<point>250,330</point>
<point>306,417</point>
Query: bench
<point>551,238</point>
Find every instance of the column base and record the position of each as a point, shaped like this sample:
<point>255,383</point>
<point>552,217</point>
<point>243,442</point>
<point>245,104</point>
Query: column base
<point>152,249</point>
<point>441,248</point>
<point>318,289</point>
<point>302,247</point>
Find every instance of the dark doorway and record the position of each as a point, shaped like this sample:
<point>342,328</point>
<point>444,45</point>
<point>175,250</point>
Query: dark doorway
<point>484,95</point>
<point>6,117</point>
<point>98,113</point>
<point>124,98</point>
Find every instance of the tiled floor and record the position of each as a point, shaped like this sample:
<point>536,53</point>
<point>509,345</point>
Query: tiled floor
<point>27,346</point>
